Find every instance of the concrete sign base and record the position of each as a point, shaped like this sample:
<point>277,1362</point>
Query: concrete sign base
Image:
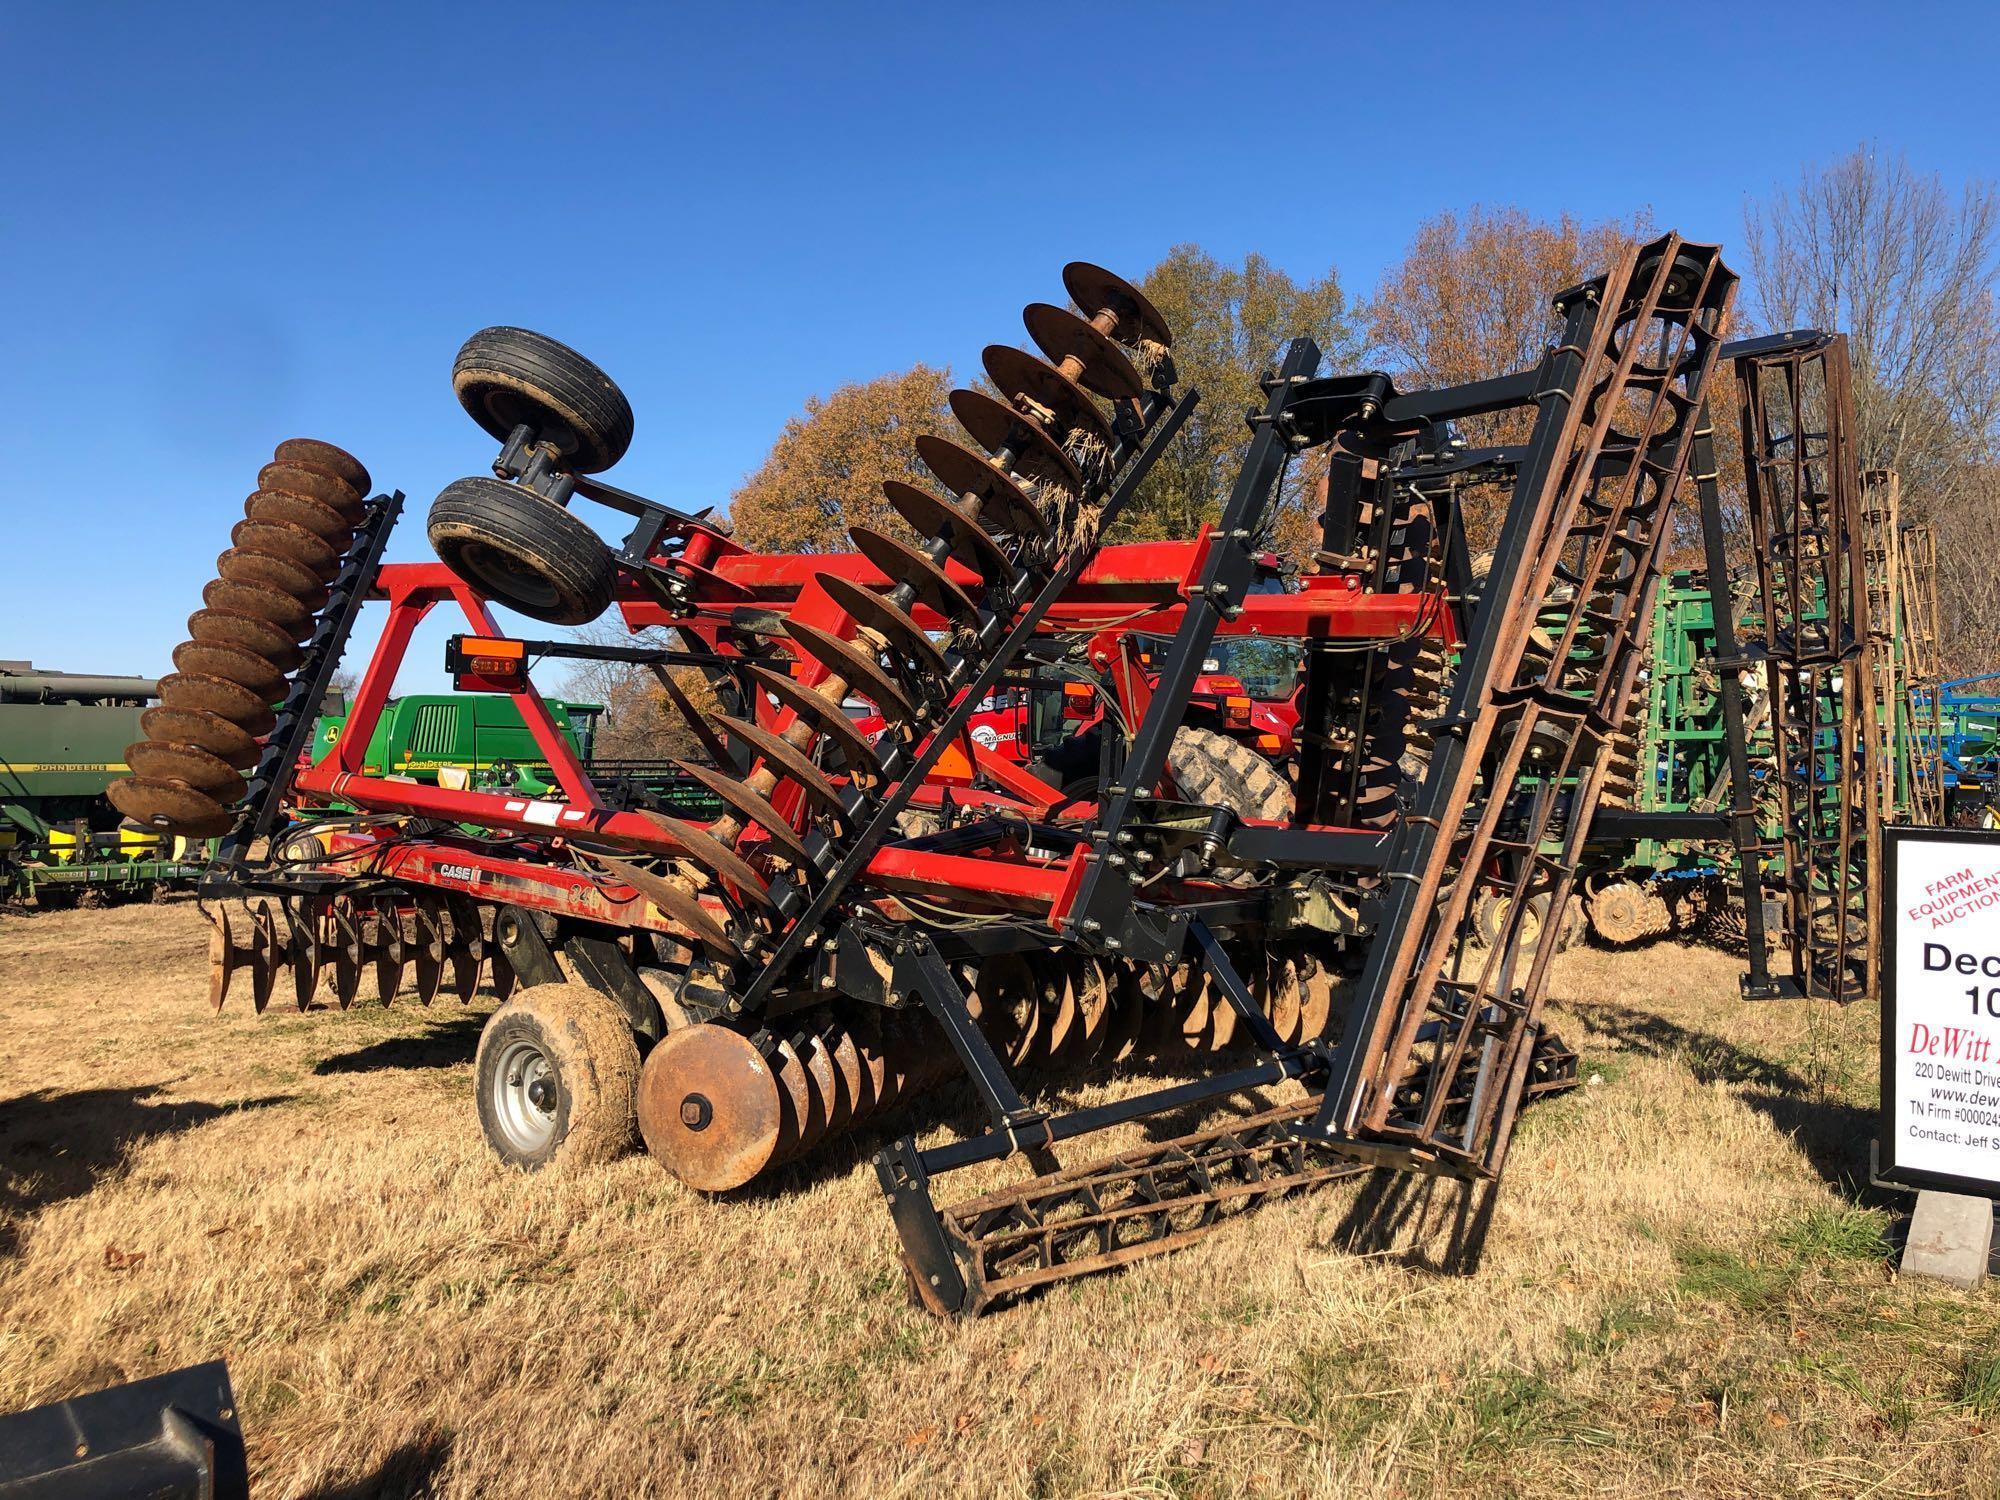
<point>1951,1237</point>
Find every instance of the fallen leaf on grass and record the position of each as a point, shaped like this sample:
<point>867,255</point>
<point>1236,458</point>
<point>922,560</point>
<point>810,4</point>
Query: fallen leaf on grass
<point>921,1436</point>
<point>1192,1452</point>
<point>120,1260</point>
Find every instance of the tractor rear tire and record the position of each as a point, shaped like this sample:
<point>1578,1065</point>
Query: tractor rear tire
<point>522,551</point>
<point>508,377</point>
<point>557,1078</point>
<point>1214,769</point>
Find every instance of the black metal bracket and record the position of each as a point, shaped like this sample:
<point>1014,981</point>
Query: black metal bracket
<point>299,712</point>
<point>602,964</point>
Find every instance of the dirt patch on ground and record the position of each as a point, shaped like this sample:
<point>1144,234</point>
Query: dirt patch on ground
<point>1683,1288</point>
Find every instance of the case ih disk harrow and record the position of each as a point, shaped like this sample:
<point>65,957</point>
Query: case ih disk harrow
<point>878,913</point>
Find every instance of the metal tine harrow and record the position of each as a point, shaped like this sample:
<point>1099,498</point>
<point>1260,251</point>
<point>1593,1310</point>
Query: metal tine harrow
<point>1810,535</point>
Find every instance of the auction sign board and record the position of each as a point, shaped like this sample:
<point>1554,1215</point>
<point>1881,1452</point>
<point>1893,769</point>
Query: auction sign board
<point>1941,1011</point>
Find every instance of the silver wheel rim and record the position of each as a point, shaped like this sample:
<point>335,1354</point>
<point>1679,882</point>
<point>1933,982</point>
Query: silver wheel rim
<point>524,1071</point>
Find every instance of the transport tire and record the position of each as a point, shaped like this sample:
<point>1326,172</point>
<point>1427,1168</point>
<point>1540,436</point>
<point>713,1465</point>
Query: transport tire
<point>522,551</point>
<point>505,377</point>
<point>557,1078</point>
<point>1212,768</point>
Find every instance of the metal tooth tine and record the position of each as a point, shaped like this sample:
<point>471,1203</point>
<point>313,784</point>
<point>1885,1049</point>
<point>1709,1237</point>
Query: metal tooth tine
<point>221,956</point>
<point>759,810</point>
<point>714,857</point>
<point>788,760</point>
<point>265,955</point>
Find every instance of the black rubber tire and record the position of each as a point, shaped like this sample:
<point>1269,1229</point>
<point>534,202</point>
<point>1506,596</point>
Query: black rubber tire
<point>593,1065</point>
<point>505,377</point>
<point>522,551</point>
<point>1211,768</point>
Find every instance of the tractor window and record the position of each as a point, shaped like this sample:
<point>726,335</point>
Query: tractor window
<point>1267,666</point>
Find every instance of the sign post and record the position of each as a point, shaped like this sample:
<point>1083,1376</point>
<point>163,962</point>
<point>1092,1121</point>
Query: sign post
<point>1940,1121</point>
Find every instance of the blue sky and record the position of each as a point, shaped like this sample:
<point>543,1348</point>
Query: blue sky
<point>222,227</point>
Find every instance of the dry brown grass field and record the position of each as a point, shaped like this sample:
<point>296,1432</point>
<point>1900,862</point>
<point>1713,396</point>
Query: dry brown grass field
<point>1683,1288</point>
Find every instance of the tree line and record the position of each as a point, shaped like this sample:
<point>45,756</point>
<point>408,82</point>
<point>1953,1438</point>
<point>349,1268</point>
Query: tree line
<point>1905,265</point>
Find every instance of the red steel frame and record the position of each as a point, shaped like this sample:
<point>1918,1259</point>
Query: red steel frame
<point>1140,587</point>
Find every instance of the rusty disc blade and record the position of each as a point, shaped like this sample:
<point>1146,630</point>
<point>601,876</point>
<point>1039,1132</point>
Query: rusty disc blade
<point>812,1077</point>
<point>343,944</point>
<point>796,1127</point>
<point>219,696</point>
<point>677,905</point>
<point>431,925</point>
<point>1002,504</point>
<point>168,760</point>
<point>170,807</point>
<point>321,519</point>
<point>934,519</point>
<point>1316,1003</point>
<point>714,856</point>
<point>293,543</point>
<point>466,949</point>
<point>1097,290</point>
<point>228,742</point>
<point>306,950</point>
<point>242,565</point>
<point>787,759</point>
<point>1101,366</point>
<point>995,425</point>
<point>1018,375</point>
<point>759,811</point>
<point>386,947</point>
<point>710,1109</point>
<point>244,668</point>
<point>861,1081</point>
<point>832,1081</point>
<point>228,627</point>
<point>266,955</point>
<point>826,718</point>
<point>899,562</point>
<point>221,956</point>
<point>315,454</point>
<point>501,976</point>
<point>314,483</point>
<point>281,609</point>
<point>1093,1001</point>
<point>854,666</point>
<point>1009,1006</point>
<point>1059,1013</point>
<point>881,615</point>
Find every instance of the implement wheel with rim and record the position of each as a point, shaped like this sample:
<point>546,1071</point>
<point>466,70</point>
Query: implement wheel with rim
<point>557,1076</point>
<point>521,550</point>
<point>510,377</point>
